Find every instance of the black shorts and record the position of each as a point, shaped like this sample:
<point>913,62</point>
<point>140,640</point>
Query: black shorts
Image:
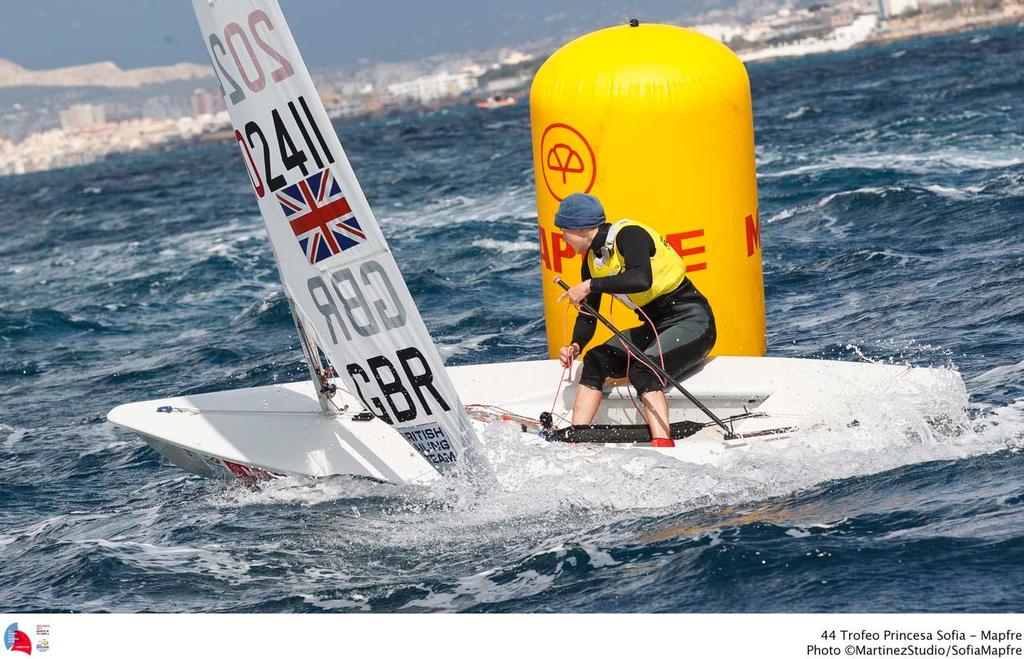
<point>687,337</point>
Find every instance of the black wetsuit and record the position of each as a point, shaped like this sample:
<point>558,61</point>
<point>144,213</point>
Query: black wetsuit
<point>682,318</point>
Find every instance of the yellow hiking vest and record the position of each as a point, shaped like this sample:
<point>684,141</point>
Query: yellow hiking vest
<point>667,267</point>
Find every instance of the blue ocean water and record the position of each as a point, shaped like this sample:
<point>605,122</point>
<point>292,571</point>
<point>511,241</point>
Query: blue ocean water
<point>891,182</point>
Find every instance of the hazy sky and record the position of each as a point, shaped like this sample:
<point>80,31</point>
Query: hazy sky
<point>53,33</point>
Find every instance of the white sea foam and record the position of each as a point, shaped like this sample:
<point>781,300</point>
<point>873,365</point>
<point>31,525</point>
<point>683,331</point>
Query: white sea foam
<point>515,202</point>
<point>954,193</point>
<point>880,191</point>
<point>917,163</point>
<point>37,528</point>
<point>12,435</point>
<point>999,375</point>
<point>213,561</point>
<point>814,208</point>
<point>799,112</point>
<point>543,490</point>
<point>505,246</point>
<point>464,346</point>
<point>298,492</point>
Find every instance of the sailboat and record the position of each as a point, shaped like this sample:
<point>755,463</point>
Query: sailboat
<point>379,402</point>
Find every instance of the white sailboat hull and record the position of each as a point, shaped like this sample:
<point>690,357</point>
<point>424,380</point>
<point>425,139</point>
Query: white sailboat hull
<point>279,430</point>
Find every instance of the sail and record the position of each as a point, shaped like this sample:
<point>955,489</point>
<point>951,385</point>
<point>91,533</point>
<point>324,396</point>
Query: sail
<point>337,270</point>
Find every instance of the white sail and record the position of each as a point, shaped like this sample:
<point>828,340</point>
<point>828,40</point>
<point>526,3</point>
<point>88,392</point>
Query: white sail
<point>334,263</point>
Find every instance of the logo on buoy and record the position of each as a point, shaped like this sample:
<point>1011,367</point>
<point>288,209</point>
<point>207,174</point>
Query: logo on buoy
<point>569,164</point>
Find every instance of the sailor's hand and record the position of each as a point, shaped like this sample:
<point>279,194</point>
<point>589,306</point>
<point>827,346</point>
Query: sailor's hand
<point>567,354</point>
<point>577,293</point>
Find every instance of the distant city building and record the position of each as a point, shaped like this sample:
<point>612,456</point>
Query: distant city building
<point>349,89</point>
<point>893,8</point>
<point>722,33</point>
<point>473,69</point>
<point>165,107</point>
<point>515,57</point>
<point>52,149</point>
<point>786,26</point>
<point>431,88</point>
<point>207,102</point>
<point>343,106</point>
<point>505,84</point>
<point>81,116</point>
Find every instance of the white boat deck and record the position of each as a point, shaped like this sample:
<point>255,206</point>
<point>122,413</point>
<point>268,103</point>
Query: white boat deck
<point>279,428</point>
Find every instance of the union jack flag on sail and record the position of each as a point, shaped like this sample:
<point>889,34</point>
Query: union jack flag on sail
<point>320,216</point>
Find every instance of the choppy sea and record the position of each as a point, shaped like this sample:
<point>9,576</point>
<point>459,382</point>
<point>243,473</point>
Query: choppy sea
<point>892,204</point>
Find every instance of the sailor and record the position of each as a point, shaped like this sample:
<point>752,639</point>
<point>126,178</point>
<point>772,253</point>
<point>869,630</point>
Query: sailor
<point>636,264</point>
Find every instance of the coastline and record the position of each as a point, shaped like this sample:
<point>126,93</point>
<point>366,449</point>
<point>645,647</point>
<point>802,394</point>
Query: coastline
<point>57,149</point>
<point>904,30</point>
<point>894,31</point>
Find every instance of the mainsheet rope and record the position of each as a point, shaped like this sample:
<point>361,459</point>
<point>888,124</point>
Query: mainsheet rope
<point>629,356</point>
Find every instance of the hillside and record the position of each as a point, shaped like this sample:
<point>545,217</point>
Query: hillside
<point>101,74</point>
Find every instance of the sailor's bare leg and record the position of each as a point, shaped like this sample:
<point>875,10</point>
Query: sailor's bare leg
<point>657,413</point>
<point>587,402</point>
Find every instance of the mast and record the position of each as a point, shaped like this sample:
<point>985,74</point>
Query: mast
<point>321,377</point>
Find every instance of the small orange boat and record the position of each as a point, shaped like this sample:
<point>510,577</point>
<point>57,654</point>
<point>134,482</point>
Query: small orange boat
<point>496,102</point>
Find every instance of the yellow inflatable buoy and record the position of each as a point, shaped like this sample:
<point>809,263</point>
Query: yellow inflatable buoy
<point>656,121</point>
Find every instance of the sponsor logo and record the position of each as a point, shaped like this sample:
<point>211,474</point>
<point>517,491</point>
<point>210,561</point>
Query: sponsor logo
<point>43,633</point>
<point>432,442</point>
<point>16,640</point>
<point>569,163</point>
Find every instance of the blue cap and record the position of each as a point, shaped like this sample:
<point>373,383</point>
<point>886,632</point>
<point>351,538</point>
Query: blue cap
<point>579,211</point>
